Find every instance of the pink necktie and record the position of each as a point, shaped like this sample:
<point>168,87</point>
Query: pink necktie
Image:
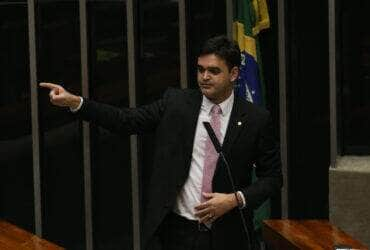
<point>211,156</point>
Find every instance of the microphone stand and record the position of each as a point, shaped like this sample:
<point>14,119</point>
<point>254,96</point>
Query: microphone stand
<point>218,148</point>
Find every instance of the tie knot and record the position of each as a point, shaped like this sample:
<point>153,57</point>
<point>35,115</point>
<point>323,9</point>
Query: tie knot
<point>216,109</point>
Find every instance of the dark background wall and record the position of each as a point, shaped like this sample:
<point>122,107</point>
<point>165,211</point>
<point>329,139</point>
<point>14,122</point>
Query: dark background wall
<point>16,181</point>
<point>353,42</point>
<point>308,108</point>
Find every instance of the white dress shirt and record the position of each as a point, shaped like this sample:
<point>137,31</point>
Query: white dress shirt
<point>190,194</point>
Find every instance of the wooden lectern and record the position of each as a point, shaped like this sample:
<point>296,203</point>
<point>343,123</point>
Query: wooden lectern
<point>306,234</point>
<point>14,238</point>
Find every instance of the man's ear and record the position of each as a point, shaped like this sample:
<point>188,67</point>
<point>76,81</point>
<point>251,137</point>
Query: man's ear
<point>234,73</point>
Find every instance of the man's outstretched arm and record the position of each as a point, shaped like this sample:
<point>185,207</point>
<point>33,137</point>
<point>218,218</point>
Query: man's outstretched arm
<point>119,120</point>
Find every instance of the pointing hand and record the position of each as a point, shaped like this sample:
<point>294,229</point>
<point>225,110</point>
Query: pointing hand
<point>61,97</point>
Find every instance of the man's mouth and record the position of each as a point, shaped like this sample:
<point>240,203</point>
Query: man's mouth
<point>205,85</point>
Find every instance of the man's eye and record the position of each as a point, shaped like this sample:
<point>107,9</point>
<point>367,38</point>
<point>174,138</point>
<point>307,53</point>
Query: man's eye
<point>201,70</point>
<point>214,71</point>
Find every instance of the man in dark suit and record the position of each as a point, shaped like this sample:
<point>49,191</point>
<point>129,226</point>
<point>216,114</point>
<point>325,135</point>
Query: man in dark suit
<point>191,204</point>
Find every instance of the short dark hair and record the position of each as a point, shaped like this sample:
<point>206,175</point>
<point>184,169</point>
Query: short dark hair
<point>224,48</point>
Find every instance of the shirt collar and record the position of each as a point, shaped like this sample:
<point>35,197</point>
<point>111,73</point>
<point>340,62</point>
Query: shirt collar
<point>226,106</point>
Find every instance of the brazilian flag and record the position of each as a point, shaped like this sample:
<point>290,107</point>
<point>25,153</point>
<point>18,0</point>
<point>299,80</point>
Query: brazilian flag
<point>251,16</point>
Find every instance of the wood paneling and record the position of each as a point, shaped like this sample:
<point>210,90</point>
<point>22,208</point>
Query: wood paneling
<point>14,238</point>
<point>306,234</point>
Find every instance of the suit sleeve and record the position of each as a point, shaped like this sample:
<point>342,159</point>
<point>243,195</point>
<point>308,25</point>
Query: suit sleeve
<point>268,168</point>
<point>125,121</point>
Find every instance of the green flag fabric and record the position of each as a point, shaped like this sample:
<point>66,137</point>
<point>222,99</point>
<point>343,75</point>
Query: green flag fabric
<point>251,16</point>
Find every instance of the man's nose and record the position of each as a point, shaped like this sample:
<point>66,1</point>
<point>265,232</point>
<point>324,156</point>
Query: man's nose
<point>206,75</point>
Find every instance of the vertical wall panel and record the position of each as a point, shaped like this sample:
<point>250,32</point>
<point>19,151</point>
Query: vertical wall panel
<point>86,127</point>
<point>131,56</point>
<point>308,109</point>
<point>183,44</point>
<point>58,40</point>
<point>283,106</point>
<point>353,85</point>
<point>111,173</point>
<point>158,49</point>
<point>16,172</point>
<point>332,83</point>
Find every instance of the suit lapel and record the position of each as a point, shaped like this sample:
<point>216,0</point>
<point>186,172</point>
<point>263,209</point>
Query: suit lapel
<point>237,121</point>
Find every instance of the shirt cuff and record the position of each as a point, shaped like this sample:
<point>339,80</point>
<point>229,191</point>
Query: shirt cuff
<point>78,107</point>
<point>241,195</point>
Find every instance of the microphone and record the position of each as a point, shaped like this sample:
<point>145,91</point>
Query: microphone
<point>213,137</point>
<point>217,145</point>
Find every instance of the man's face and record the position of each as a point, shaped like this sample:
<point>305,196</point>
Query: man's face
<point>215,80</point>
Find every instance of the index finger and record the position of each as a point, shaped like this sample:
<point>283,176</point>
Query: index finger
<point>49,85</point>
<point>202,205</point>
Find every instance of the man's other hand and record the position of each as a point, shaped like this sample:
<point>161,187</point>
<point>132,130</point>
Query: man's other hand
<point>217,205</point>
<point>61,97</point>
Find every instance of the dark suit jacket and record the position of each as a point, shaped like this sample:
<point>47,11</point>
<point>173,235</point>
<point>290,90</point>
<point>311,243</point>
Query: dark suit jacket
<point>174,119</point>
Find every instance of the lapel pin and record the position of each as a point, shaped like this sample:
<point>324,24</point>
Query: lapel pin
<point>239,123</point>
